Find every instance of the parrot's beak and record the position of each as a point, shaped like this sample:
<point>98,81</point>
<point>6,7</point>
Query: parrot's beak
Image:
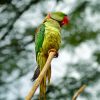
<point>65,21</point>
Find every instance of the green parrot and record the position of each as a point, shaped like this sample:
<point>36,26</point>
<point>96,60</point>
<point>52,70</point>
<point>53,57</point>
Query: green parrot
<point>48,38</point>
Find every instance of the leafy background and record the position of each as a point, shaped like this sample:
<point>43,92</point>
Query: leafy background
<point>79,56</point>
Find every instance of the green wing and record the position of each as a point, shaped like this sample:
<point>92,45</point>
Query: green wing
<point>39,38</point>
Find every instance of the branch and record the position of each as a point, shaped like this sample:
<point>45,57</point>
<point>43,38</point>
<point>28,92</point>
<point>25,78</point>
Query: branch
<point>18,15</point>
<point>78,92</point>
<point>40,77</point>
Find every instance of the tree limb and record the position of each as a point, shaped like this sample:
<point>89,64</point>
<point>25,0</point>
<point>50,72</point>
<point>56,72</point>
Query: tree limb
<point>10,27</point>
<point>78,92</point>
<point>40,77</point>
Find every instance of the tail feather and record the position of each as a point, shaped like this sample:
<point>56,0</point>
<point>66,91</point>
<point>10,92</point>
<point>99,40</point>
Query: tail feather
<point>41,62</point>
<point>49,74</point>
<point>36,74</point>
<point>43,84</point>
<point>43,89</point>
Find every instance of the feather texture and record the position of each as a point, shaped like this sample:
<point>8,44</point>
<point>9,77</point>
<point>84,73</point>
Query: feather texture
<point>48,37</point>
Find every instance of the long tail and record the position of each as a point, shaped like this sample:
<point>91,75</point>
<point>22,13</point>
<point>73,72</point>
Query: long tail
<point>42,62</point>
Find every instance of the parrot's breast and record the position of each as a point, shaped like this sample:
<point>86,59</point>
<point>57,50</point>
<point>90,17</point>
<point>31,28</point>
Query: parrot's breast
<point>52,38</point>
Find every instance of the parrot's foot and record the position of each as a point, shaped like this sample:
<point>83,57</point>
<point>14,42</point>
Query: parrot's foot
<point>53,50</point>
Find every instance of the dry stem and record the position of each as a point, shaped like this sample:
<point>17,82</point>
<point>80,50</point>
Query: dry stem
<point>40,77</point>
<point>78,92</point>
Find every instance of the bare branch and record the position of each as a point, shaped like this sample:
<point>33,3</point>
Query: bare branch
<point>10,27</point>
<point>78,92</point>
<point>40,77</point>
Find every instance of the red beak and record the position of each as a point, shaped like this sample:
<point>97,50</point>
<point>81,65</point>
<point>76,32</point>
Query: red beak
<point>65,21</point>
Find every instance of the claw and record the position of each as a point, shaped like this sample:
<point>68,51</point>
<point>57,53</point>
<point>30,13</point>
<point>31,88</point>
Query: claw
<point>53,50</point>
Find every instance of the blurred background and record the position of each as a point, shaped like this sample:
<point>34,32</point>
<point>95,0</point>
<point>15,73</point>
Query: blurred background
<point>79,56</point>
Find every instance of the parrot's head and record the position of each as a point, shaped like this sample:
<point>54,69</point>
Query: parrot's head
<point>60,17</point>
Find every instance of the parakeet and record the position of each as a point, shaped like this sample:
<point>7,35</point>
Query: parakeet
<point>48,38</point>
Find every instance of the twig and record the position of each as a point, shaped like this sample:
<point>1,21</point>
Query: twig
<point>78,92</point>
<point>18,15</point>
<point>40,77</point>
